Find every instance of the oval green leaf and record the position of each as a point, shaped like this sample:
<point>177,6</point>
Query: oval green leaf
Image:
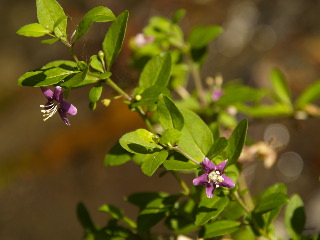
<point>113,40</point>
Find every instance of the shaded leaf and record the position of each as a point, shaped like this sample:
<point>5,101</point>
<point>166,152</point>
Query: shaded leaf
<point>134,143</point>
<point>179,165</point>
<point>219,228</point>
<point>117,156</point>
<point>156,72</point>
<point>150,96</point>
<point>170,137</point>
<point>237,141</point>
<point>295,217</point>
<point>210,208</point>
<point>95,93</point>
<point>280,87</point>
<point>270,202</point>
<point>169,114</point>
<point>201,36</point>
<point>309,95</point>
<point>218,146</point>
<point>153,161</point>
<point>84,218</point>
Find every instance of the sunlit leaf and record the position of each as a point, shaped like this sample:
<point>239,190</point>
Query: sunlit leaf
<point>113,40</point>
<point>97,14</point>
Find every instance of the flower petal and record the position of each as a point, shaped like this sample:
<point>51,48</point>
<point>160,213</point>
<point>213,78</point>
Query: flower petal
<point>68,108</point>
<point>220,167</point>
<point>228,182</point>
<point>201,180</point>
<point>63,116</point>
<point>57,94</point>
<point>207,166</point>
<point>47,92</point>
<point>209,190</point>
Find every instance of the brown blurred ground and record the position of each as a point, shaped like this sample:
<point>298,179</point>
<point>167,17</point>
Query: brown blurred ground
<point>46,168</point>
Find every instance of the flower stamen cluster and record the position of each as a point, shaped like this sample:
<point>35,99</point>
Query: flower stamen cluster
<point>213,177</point>
<point>55,104</point>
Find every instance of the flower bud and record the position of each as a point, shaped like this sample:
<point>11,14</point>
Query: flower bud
<point>106,102</point>
<point>138,97</point>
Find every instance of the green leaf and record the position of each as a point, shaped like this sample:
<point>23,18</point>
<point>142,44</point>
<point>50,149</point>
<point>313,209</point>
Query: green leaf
<point>179,165</point>
<point>272,215</point>
<point>84,218</point>
<point>219,228</point>
<point>201,36</point>
<point>117,213</point>
<point>150,96</point>
<point>96,64</point>
<point>117,156</point>
<point>77,79</point>
<point>237,141</point>
<point>51,16</point>
<point>44,77</point>
<point>142,199</point>
<point>178,15</point>
<point>65,64</point>
<point>105,75</point>
<point>135,143</point>
<point>153,161</point>
<point>309,95</point>
<point>280,87</point>
<point>169,114</point>
<point>95,93</point>
<point>270,201</point>
<point>196,138</point>
<point>97,14</point>
<point>113,40</point>
<point>236,93</point>
<point>217,147</point>
<point>210,208</point>
<point>261,111</point>
<point>170,137</point>
<point>156,72</point>
<point>295,217</point>
<point>50,40</point>
<point>33,30</point>
<point>154,211</point>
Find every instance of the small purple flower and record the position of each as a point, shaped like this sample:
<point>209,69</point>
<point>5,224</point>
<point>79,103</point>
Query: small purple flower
<point>213,177</point>
<point>216,94</point>
<point>141,40</point>
<point>56,104</point>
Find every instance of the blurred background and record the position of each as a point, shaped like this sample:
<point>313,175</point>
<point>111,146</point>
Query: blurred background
<point>47,168</point>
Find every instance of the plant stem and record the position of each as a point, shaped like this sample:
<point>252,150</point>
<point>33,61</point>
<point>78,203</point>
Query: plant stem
<point>197,80</point>
<point>235,194</point>
<point>181,182</point>
<point>118,89</point>
<point>243,186</point>
<point>144,117</point>
<point>139,110</point>
<point>179,150</point>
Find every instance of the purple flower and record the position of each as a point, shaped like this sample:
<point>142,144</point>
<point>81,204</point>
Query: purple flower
<point>141,40</point>
<point>56,104</point>
<point>216,94</point>
<point>213,177</point>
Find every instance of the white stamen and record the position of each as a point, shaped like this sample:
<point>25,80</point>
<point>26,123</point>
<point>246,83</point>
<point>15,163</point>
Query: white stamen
<point>52,109</point>
<point>215,177</point>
